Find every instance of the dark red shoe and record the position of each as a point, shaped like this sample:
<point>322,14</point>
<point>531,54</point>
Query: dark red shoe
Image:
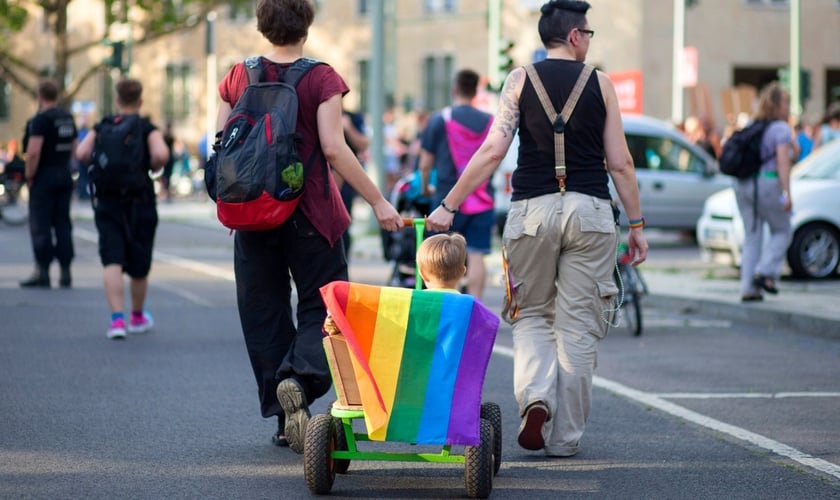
<point>530,432</point>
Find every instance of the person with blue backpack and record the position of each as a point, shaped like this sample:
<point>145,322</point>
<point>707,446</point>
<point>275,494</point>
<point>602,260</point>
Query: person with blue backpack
<point>305,245</point>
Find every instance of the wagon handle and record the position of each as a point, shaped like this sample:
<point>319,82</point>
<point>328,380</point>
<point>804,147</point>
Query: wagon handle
<point>419,225</point>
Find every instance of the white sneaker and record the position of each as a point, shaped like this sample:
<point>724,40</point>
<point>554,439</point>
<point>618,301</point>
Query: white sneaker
<point>117,329</point>
<point>142,326</point>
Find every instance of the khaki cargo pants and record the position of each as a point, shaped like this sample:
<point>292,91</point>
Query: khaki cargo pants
<point>561,252</point>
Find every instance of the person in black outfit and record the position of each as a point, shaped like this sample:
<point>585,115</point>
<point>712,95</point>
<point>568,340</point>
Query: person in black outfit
<point>126,219</point>
<point>166,177</point>
<point>51,139</point>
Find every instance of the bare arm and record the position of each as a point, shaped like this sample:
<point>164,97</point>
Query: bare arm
<point>424,165</point>
<point>358,140</point>
<point>33,157</point>
<point>85,148</point>
<point>158,151</point>
<point>222,116</point>
<point>342,159</point>
<point>783,166</point>
<point>621,169</point>
<point>486,160</point>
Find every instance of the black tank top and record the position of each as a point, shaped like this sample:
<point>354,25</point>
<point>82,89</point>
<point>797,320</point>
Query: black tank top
<point>584,135</point>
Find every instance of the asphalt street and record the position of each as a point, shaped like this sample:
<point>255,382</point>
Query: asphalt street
<point>697,407</point>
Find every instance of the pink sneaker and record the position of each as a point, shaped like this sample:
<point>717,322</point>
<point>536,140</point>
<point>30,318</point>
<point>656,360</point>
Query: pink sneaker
<point>142,324</point>
<point>117,329</point>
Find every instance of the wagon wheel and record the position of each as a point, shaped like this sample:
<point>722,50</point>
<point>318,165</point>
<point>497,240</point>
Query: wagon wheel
<point>318,465</point>
<point>478,473</point>
<point>340,465</point>
<point>493,414</point>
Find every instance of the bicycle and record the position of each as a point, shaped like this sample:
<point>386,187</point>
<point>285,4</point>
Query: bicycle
<point>14,199</point>
<point>631,289</point>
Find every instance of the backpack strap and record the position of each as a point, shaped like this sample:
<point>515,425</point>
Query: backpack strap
<point>298,69</point>
<point>253,69</point>
<point>559,121</point>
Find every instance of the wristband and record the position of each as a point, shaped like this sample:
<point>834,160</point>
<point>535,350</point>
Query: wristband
<point>637,223</point>
<point>450,210</point>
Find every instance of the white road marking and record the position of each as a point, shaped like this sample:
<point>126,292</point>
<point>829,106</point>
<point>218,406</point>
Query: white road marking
<point>192,265</point>
<point>744,395</point>
<point>656,401</point>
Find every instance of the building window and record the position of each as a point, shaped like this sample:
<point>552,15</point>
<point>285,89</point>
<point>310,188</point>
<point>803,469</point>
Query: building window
<point>778,3</point>
<point>5,99</point>
<point>177,99</point>
<point>241,12</point>
<point>437,77</point>
<point>438,6</point>
<point>362,7</point>
<point>364,83</point>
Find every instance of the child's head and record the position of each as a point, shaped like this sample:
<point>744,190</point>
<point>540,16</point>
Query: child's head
<point>441,260</point>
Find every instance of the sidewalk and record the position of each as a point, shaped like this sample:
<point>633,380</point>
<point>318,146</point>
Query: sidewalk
<point>811,307</point>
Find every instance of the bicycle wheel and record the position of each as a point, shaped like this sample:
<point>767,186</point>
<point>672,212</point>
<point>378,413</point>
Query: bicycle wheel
<point>632,299</point>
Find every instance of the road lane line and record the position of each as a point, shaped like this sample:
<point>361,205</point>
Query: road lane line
<point>744,395</point>
<point>718,426</point>
<point>193,265</point>
<point>657,402</point>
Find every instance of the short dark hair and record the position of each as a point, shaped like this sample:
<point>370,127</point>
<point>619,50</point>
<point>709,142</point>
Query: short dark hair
<point>466,83</point>
<point>129,92</point>
<point>559,18</point>
<point>284,22</point>
<point>48,90</point>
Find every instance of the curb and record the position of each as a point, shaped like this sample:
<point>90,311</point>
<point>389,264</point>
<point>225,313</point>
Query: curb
<point>757,314</point>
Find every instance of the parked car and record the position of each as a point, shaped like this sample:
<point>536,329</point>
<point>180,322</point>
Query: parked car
<point>814,251</point>
<point>675,177</point>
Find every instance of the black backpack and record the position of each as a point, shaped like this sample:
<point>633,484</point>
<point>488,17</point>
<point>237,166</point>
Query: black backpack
<point>120,160</point>
<point>741,154</point>
<point>257,176</point>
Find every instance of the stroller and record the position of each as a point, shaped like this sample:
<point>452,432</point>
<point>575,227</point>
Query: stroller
<point>399,247</point>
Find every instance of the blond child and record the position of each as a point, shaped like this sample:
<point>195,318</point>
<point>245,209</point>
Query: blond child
<point>441,260</point>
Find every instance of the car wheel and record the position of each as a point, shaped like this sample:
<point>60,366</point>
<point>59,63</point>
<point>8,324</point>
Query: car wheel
<point>815,251</point>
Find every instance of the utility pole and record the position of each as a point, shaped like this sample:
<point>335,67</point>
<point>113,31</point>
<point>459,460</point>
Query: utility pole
<point>676,77</point>
<point>494,36</point>
<point>211,69</point>
<point>795,63</point>
<point>376,92</point>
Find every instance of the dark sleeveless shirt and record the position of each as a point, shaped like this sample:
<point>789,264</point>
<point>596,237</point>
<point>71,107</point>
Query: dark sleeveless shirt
<point>584,135</point>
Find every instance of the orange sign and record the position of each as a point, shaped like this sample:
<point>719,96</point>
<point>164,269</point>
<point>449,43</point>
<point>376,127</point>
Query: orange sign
<point>629,88</point>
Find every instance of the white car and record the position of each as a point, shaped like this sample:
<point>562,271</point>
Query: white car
<point>675,176</point>
<point>815,190</point>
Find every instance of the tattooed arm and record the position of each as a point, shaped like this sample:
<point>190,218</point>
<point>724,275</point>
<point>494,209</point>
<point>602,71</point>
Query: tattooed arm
<point>486,160</point>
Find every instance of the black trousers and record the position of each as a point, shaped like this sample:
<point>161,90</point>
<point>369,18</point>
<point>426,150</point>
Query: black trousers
<point>265,264</point>
<point>49,216</point>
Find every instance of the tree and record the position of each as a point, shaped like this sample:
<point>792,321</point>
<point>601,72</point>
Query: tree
<point>151,19</point>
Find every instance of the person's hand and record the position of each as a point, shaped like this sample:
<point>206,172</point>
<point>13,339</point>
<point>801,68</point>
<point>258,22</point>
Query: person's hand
<point>388,217</point>
<point>440,220</point>
<point>637,246</point>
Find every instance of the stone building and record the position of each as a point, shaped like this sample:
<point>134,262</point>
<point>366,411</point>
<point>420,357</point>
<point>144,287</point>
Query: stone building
<point>733,42</point>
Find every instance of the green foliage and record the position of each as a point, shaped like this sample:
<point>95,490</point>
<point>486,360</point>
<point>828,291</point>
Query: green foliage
<point>13,17</point>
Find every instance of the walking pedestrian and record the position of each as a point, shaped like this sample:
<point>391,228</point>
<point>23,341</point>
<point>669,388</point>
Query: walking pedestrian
<point>560,238</point>
<point>125,211</point>
<point>765,199</point>
<point>829,130</point>
<point>50,140</point>
<point>287,356</point>
<point>450,139</point>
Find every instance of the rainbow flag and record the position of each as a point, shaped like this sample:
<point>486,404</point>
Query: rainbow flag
<point>419,356</point>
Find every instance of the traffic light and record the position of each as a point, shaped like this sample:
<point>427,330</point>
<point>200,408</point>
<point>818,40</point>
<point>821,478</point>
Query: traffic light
<point>505,58</point>
<point>116,55</point>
